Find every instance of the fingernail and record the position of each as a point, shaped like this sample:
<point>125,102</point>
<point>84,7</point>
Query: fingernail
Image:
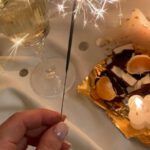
<point>61,130</point>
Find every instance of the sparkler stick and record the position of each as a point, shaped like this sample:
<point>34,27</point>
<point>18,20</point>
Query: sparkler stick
<point>79,5</point>
<point>68,54</point>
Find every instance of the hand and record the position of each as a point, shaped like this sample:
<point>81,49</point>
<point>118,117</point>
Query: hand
<point>42,128</point>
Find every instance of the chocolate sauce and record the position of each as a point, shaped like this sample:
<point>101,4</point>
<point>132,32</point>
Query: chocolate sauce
<point>144,90</point>
<point>139,76</point>
<point>120,60</point>
<point>118,84</point>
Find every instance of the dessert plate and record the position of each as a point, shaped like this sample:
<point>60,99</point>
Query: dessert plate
<point>90,129</point>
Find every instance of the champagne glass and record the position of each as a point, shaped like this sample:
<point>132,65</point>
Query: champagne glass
<point>24,19</point>
<point>26,22</point>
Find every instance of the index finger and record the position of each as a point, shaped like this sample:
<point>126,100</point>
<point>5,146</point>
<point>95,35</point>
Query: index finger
<point>17,125</point>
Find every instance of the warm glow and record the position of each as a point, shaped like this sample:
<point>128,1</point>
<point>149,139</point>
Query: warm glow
<point>135,101</point>
<point>92,10</point>
<point>18,41</point>
<point>139,111</point>
<point>138,102</point>
<point>61,8</point>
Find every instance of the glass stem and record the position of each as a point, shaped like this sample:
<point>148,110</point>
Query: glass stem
<point>40,50</point>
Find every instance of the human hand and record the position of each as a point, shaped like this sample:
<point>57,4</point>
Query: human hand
<point>41,128</point>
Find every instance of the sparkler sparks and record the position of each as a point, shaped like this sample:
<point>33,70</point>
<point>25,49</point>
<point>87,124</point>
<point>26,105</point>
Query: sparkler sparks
<point>61,8</point>
<point>92,10</point>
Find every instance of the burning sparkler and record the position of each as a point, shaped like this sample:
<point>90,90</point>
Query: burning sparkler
<point>92,10</point>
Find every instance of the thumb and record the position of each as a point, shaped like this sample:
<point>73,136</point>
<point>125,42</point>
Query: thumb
<point>54,137</point>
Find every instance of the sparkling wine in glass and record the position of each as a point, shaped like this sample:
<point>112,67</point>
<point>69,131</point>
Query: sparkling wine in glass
<point>24,19</point>
<point>27,22</point>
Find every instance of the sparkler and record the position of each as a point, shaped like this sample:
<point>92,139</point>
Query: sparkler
<point>92,10</point>
<point>78,5</point>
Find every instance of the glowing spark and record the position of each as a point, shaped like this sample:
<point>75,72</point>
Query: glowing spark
<point>120,12</point>
<point>61,8</point>
<point>100,14</point>
<point>17,43</point>
<point>93,10</point>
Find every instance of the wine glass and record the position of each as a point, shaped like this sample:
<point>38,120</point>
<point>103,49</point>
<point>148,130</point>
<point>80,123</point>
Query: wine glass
<point>24,19</point>
<point>26,22</point>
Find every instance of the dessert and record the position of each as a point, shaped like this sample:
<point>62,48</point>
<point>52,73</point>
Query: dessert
<point>137,29</point>
<point>120,84</point>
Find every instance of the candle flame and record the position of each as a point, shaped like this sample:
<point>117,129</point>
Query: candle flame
<point>139,111</point>
<point>138,103</point>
